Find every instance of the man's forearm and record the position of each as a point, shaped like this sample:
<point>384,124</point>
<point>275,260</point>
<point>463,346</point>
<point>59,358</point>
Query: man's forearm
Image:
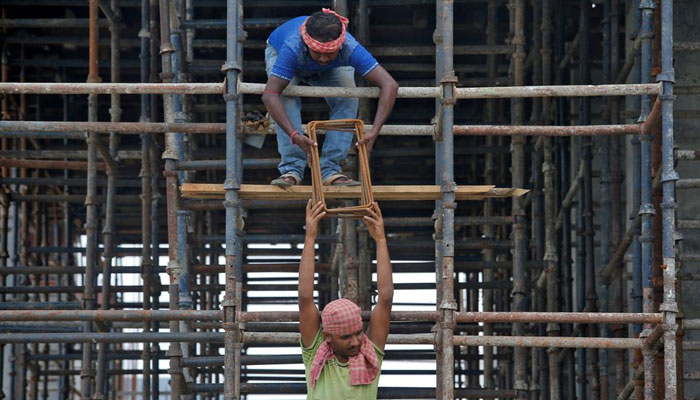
<point>385,283</point>
<point>306,269</point>
<point>274,106</point>
<point>387,97</point>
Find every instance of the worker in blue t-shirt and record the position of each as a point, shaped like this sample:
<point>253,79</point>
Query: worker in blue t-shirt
<point>318,51</point>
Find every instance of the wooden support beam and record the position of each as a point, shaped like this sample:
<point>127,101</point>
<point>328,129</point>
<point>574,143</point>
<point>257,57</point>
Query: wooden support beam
<point>394,192</point>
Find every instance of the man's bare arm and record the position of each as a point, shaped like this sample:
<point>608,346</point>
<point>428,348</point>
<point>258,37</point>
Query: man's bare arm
<point>273,103</point>
<point>309,320</point>
<point>387,96</point>
<point>381,315</point>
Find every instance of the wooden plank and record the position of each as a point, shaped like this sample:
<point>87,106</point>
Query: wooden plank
<point>395,192</point>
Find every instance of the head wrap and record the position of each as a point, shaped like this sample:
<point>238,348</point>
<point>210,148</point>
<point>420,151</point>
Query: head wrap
<point>325,47</point>
<point>343,317</point>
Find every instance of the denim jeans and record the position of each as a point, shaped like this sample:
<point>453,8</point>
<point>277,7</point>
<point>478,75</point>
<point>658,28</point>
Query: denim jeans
<point>336,144</point>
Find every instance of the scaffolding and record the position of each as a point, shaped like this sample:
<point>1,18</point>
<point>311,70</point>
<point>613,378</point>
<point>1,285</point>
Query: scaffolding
<point>538,313</point>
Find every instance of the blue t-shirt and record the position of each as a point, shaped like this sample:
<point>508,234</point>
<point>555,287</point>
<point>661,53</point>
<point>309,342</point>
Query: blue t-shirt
<point>293,55</point>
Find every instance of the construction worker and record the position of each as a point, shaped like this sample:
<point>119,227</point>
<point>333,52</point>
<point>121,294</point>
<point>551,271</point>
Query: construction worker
<point>341,360</point>
<point>318,51</point>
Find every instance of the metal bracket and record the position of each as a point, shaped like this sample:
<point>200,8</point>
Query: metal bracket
<point>646,209</point>
<point>231,184</point>
<point>666,76</point>
<point>448,187</point>
<point>668,307</point>
<point>437,37</point>
<point>669,176</point>
<point>231,65</point>
<point>448,305</point>
<point>449,79</point>
<point>647,5</point>
<point>173,268</point>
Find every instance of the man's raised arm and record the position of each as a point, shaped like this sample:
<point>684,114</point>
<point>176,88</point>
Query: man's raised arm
<point>309,320</point>
<point>381,315</point>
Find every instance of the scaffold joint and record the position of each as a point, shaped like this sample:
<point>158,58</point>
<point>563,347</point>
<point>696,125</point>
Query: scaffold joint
<point>646,209</point>
<point>666,76</point>
<point>668,307</point>
<point>173,268</point>
<point>647,5</point>
<point>231,65</point>
<point>669,176</point>
<point>232,184</point>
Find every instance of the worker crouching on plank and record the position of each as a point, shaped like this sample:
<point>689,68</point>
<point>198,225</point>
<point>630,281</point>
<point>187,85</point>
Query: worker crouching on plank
<point>341,360</point>
<point>318,51</point>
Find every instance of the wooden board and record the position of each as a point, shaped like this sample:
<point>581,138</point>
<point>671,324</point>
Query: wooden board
<point>394,192</point>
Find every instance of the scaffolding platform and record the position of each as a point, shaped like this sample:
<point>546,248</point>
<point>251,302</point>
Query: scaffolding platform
<point>381,192</point>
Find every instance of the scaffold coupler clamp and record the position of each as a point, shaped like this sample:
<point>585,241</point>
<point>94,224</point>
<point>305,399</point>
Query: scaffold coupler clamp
<point>174,269</point>
<point>448,188</point>
<point>448,323</point>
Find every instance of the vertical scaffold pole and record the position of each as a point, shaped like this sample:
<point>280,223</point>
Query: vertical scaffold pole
<point>101,380</point>
<point>668,208</point>
<point>636,290</point>
<point>437,214</point>
<point>87,373</point>
<point>646,209</point>
<point>231,185</point>
<point>550,208</point>
<point>170,155</point>
<point>517,7</point>
<point>605,205</point>
<point>489,176</point>
<point>616,290</point>
<point>146,196</point>
<point>447,304</point>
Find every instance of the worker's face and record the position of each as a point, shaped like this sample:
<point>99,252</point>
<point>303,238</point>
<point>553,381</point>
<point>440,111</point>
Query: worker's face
<point>323,58</point>
<point>346,346</point>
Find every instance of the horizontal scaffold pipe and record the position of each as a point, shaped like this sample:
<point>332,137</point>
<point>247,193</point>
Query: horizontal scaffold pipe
<point>189,337</point>
<point>324,91</point>
<point>31,127</point>
<point>465,93</point>
<point>110,88</point>
<point>560,317</point>
<point>113,337</point>
<point>292,338</point>
<point>293,316</point>
<point>549,341</point>
<point>110,315</point>
<point>486,317</point>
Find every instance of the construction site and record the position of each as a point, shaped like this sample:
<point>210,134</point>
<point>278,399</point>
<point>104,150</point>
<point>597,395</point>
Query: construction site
<point>536,178</point>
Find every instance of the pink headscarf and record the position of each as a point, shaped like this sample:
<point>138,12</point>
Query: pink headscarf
<point>325,47</point>
<point>342,317</point>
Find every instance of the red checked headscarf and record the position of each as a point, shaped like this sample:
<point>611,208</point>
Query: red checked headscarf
<point>342,317</point>
<point>325,47</point>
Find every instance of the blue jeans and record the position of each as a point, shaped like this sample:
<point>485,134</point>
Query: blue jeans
<point>336,144</point>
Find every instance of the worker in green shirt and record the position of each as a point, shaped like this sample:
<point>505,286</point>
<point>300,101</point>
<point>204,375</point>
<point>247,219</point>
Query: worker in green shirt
<point>342,361</point>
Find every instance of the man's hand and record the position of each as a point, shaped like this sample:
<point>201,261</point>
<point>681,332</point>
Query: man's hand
<point>375,223</point>
<point>314,213</point>
<point>368,140</point>
<point>304,142</point>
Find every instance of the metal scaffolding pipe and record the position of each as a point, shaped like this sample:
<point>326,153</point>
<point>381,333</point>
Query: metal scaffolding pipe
<point>112,337</point>
<point>110,88</point>
<point>549,341</point>
<point>32,128</point>
<point>110,315</point>
<point>464,93</point>
<point>668,206</point>
<point>497,92</point>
